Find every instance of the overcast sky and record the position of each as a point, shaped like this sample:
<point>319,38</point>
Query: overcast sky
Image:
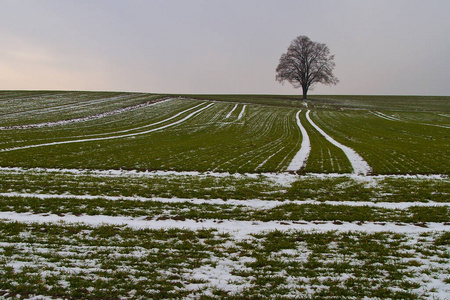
<point>232,46</point>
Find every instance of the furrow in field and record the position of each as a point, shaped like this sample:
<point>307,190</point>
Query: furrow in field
<point>263,127</point>
<point>267,159</point>
<point>360,166</point>
<point>277,144</point>
<point>116,136</point>
<point>237,228</point>
<point>289,130</point>
<point>85,119</point>
<point>268,150</point>
<point>300,158</point>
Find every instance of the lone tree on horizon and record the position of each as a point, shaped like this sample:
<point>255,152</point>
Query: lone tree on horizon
<point>306,63</point>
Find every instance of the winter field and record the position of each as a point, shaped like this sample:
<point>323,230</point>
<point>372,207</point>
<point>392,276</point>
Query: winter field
<point>138,196</point>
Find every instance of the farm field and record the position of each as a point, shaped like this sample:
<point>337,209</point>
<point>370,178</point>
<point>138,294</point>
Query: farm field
<point>137,196</point>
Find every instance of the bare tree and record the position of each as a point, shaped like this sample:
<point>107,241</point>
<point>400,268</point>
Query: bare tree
<point>306,63</point>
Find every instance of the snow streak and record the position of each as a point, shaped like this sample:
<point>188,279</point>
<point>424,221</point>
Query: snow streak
<point>242,112</point>
<point>234,108</point>
<point>300,158</point>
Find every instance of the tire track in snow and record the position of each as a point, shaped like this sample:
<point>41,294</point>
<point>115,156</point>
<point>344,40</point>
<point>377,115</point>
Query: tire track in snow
<point>229,114</point>
<point>359,165</point>
<point>116,136</point>
<point>242,112</point>
<point>301,157</point>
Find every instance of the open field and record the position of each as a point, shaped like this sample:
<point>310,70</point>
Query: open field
<point>137,196</point>
<point>144,132</point>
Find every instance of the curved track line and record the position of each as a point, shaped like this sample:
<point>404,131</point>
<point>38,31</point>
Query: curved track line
<point>360,166</point>
<point>302,155</point>
<point>112,137</point>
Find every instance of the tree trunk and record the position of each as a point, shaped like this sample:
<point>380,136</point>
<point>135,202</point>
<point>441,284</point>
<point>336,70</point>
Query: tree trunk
<point>305,91</point>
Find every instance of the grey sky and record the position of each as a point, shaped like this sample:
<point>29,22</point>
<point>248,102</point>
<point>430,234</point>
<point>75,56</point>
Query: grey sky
<point>168,46</point>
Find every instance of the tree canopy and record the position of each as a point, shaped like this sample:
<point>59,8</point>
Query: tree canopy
<point>306,63</point>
